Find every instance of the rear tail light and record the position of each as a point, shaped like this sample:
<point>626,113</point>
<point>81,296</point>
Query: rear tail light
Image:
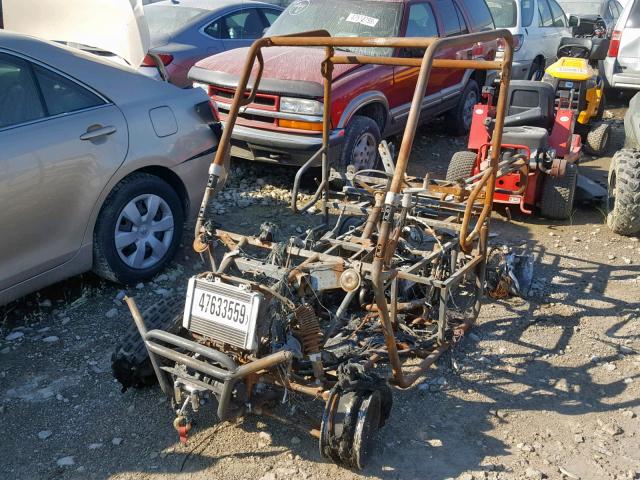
<point>149,61</point>
<point>614,45</point>
<point>518,41</point>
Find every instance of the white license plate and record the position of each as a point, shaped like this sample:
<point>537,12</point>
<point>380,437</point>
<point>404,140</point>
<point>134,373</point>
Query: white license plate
<point>224,313</point>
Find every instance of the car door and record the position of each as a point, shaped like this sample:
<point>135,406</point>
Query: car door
<point>420,21</point>
<point>241,28</point>
<point>60,144</point>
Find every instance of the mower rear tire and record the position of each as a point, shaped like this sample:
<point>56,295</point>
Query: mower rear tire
<point>597,139</point>
<point>130,361</point>
<point>623,200</point>
<point>461,166</point>
<point>558,194</point>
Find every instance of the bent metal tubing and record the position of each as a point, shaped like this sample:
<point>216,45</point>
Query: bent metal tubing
<point>433,46</point>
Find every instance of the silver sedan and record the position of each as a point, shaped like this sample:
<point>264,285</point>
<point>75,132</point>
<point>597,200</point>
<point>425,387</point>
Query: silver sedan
<point>99,166</point>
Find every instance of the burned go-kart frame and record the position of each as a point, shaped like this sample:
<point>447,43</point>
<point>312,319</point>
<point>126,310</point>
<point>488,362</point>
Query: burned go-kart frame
<point>399,273</point>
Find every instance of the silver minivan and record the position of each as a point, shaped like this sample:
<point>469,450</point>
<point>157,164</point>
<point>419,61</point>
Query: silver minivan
<point>537,27</point>
<point>622,65</point>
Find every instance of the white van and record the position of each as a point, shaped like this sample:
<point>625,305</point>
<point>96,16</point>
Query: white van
<point>537,27</point>
<point>622,65</point>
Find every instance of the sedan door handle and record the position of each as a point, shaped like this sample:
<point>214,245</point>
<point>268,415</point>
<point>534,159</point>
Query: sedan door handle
<point>93,133</point>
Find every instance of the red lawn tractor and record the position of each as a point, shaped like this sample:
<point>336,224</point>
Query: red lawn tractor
<point>539,149</point>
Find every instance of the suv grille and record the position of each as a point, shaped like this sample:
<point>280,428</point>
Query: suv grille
<point>224,97</point>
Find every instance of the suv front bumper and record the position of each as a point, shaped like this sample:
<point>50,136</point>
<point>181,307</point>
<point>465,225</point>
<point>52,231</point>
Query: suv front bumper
<point>279,147</point>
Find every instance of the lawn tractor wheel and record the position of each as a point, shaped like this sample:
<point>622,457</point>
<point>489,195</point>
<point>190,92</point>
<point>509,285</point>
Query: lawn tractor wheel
<point>130,361</point>
<point>558,194</point>
<point>597,139</point>
<point>461,166</point>
<point>623,200</point>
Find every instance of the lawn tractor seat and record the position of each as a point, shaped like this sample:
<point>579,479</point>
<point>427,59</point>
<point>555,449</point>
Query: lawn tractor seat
<point>530,103</point>
<point>592,49</point>
<point>536,138</point>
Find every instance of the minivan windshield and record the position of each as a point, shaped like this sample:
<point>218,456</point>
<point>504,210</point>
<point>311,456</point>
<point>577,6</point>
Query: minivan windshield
<point>505,13</point>
<point>359,18</point>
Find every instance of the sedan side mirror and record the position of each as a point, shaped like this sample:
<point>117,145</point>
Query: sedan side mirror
<point>574,21</point>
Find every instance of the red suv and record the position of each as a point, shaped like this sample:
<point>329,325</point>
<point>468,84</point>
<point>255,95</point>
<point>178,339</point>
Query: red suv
<point>369,102</point>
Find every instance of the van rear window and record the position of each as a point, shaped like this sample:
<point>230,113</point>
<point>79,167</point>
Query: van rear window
<point>634,16</point>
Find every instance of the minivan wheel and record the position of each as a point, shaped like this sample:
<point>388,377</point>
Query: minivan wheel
<point>459,118</point>
<point>361,141</point>
<point>536,72</point>
<point>138,229</point>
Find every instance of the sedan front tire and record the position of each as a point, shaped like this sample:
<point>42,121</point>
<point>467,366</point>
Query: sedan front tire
<point>138,230</point>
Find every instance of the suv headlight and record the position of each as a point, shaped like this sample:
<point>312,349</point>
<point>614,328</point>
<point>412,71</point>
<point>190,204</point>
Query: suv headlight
<point>301,105</point>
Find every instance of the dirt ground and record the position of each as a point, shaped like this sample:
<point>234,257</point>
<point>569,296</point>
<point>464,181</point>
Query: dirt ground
<point>543,387</point>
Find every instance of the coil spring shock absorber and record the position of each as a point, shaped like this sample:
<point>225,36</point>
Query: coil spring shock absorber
<point>310,336</point>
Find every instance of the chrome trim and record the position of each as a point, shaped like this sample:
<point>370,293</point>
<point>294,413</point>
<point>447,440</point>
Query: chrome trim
<point>272,113</point>
<point>360,101</point>
<point>258,137</point>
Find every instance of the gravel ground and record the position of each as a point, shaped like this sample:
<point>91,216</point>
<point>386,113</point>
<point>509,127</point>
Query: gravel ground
<point>543,387</point>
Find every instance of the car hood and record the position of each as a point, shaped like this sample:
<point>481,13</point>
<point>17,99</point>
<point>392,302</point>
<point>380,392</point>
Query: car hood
<point>295,64</point>
<point>115,26</point>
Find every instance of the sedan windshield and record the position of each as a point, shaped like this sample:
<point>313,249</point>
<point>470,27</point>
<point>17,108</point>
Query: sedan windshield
<point>167,20</point>
<point>342,19</point>
<point>505,14</point>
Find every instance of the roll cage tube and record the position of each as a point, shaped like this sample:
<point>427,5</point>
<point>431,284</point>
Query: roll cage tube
<point>482,190</point>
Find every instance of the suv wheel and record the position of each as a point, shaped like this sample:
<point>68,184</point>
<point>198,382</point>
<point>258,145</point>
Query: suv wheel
<point>623,201</point>
<point>138,230</point>
<point>459,118</point>
<point>361,144</point>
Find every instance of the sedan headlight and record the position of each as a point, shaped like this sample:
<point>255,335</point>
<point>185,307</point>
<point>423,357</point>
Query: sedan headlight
<point>300,105</point>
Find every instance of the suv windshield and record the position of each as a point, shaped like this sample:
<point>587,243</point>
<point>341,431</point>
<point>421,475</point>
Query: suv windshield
<point>505,13</point>
<point>342,19</point>
<point>168,20</point>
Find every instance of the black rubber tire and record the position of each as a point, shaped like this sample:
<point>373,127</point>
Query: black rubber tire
<point>536,71</point>
<point>456,124</point>
<point>558,194</point>
<point>623,203</point>
<point>597,139</point>
<point>358,127</point>
<point>106,261</point>
<point>461,166</point>
<point>130,361</point>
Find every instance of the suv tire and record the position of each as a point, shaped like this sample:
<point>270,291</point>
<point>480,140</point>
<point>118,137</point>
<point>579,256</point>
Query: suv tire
<point>558,194</point>
<point>459,118</point>
<point>623,199</point>
<point>123,229</point>
<point>461,166</point>
<point>361,142</point>
<point>130,362</point>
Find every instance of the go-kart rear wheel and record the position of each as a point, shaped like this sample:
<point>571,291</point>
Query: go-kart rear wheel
<point>461,166</point>
<point>350,425</point>
<point>597,139</point>
<point>558,194</point>
<point>623,202</point>
<point>130,361</point>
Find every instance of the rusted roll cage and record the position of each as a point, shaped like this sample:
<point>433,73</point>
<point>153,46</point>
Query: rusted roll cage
<point>483,189</point>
